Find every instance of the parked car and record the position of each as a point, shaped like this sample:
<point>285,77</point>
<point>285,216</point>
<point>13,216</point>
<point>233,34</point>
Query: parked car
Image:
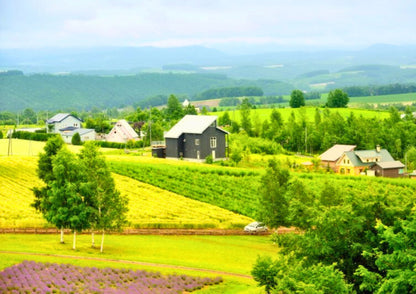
<point>255,227</point>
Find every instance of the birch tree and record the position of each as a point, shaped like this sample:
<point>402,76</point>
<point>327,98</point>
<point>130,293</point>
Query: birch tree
<point>68,207</point>
<point>45,173</point>
<point>108,206</point>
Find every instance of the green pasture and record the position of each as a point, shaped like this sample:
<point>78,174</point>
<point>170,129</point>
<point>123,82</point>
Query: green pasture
<point>307,112</point>
<point>206,255</point>
<point>384,99</point>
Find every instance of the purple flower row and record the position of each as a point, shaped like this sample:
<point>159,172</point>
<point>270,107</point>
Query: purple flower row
<point>35,277</point>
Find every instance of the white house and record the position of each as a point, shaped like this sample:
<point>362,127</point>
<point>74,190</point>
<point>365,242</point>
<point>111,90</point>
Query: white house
<point>62,121</point>
<point>85,134</point>
<point>122,132</point>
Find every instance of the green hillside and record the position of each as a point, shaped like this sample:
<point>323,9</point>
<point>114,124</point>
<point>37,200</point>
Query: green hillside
<point>78,92</point>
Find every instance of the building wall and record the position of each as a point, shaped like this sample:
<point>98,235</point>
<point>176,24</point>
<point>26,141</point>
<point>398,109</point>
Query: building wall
<point>174,147</point>
<point>187,146</point>
<point>70,121</point>
<point>390,173</point>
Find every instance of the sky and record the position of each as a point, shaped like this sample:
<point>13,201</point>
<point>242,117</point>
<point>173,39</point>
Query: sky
<point>220,24</point>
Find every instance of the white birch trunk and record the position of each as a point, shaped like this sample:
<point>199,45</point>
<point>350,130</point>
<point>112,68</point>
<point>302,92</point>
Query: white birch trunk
<point>75,240</point>
<point>102,242</point>
<point>62,235</point>
<point>92,241</point>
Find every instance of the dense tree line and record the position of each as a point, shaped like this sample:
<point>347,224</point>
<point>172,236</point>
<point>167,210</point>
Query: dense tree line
<point>229,92</point>
<point>359,91</point>
<point>362,242</point>
<point>298,134</point>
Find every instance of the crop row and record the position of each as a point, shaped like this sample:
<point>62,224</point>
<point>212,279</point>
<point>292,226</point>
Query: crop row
<point>233,190</point>
<point>34,277</point>
<point>149,206</point>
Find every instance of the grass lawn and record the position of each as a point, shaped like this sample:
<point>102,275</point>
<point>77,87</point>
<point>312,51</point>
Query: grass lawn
<point>309,113</point>
<point>231,254</point>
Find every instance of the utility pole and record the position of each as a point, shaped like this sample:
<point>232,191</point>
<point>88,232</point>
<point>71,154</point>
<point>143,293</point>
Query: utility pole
<point>306,138</point>
<point>10,151</point>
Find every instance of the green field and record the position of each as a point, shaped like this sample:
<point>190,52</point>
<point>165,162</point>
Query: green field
<point>231,257</point>
<point>384,99</point>
<point>308,112</point>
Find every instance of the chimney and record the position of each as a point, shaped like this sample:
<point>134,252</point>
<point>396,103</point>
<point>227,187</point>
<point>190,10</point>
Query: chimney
<point>378,148</point>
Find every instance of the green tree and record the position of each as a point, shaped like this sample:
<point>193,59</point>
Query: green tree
<point>273,208</point>
<point>67,205</point>
<point>174,109</point>
<point>1,135</point>
<point>410,158</point>
<point>245,109</point>
<point>45,173</point>
<point>108,207</point>
<point>76,139</point>
<point>264,272</point>
<point>224,120</point>
<point>337,98</point>
<point>395,260</point>
<point>297,99</point>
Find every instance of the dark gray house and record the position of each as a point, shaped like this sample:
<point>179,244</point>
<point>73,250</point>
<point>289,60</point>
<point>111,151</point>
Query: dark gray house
<point>195,137</point>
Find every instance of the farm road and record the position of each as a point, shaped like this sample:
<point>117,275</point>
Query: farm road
<point>156,265</point>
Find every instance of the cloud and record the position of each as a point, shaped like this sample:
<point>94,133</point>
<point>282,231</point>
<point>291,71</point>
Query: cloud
<point>42,23</point>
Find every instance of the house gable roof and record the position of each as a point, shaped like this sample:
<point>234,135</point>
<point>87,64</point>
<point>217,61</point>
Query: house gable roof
<point>383,155</point>
<point>390,164</point>
<point>80,131</point>
<point>335,152</point>
<point>359,158</point>
<point>60,117</point>
<point>123,128</point>
<point>192,124</point>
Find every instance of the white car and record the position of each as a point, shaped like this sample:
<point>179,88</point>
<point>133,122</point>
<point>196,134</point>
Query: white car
<point>255,227</point>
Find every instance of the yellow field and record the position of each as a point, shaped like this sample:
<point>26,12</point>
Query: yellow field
<point>26,147</point>
<point>148,206</point>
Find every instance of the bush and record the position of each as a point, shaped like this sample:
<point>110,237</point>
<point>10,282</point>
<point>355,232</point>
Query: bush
<point>32,136</point>
<point>209,159</point>
<point>76,139</point>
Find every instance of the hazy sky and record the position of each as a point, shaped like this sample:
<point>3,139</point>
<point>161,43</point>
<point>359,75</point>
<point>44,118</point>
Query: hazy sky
<point>212,23</point>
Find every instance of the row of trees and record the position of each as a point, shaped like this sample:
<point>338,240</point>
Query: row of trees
<point>350,242</point>
<point>79,192</point>
<point>357,91</point>
<point>336,98</point>
<point>229,92</point>
<point>328,127</point>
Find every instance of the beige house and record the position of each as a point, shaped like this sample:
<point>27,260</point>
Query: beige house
<point>376,162</point>
<point>122,132</point>
<point>330,157</point>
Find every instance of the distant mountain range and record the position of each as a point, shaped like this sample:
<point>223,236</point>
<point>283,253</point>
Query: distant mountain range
<point>86,72</point>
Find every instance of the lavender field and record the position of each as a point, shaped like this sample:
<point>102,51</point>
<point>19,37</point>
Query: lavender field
<point>36,277</point>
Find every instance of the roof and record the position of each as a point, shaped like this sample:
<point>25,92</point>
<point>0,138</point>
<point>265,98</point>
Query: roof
<point>384,155</point>
<point>192,124</point>
<point>390,164</point>
<point>358,158</point>
<point>335,152</point>
<point>123,130</point>
<point>355,160</point>
<point>81,131</point>
<point>60,117</point>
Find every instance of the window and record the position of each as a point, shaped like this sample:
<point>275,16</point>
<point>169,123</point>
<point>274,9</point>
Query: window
<point>213,142</point>
<point>196,142</point>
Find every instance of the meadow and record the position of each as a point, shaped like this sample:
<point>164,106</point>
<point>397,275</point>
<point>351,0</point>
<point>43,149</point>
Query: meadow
<point>230,257</point>
<point>308,112</point>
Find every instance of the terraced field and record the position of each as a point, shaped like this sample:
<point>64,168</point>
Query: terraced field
<point>148,206</point>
